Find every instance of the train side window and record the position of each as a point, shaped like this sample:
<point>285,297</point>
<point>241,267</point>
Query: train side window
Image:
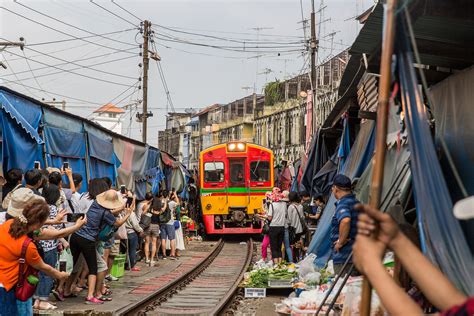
<point>260,171</point>
<point>214,172</point>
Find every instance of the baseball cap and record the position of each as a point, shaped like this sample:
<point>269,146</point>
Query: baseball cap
<point>19,199</point>
<point>342,181</point>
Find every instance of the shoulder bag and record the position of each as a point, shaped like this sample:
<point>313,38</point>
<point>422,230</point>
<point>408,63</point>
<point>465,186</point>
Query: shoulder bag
<point>106,231</point>
<point>291,229</point>
<point>165,216</point>
<point>24,289</point>
<point>303,222</point>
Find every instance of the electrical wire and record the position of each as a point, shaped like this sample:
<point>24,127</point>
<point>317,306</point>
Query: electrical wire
<point>126,11</point>
<point>163,81</point>
<point>83,37</point>
<point>71,25</point>
<point>74,61</point>
<point>56,30</point>
<point>78,68</point>
<point>75,73</point>
<point>114,14</point>
<point>27,88</point>
<point>29,67</point>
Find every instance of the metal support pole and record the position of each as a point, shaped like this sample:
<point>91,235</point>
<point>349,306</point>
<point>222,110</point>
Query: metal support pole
<point>146,31</point>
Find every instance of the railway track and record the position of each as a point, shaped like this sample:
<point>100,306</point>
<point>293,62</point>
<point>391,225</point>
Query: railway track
<point>204,290</point>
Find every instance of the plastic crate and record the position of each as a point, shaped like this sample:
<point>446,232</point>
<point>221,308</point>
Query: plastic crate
<point>118,268</point>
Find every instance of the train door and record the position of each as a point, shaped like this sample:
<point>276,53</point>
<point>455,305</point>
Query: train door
<point>238,191</point>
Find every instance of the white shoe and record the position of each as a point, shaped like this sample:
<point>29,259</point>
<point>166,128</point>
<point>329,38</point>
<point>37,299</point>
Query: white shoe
<point>152,263</point>
<point>147,261</point>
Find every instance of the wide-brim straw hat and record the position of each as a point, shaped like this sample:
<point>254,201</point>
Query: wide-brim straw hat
<point>110,200</point>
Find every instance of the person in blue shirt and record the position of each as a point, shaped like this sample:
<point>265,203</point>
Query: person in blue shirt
<point>344,221</point>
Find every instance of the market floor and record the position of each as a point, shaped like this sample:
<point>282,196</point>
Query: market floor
<point>134,286</point>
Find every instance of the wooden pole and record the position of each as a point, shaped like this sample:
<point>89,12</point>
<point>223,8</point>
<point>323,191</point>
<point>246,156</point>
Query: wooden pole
<point>381,131</point>
<point>146,31</point>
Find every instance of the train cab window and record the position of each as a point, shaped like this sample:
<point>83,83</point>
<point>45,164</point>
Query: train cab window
<point>260,171</point>
<point>214,172</point>
<point>237,172</point>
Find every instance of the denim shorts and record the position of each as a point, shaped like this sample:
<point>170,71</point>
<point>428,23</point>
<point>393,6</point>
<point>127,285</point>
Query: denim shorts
<point>167,231</point>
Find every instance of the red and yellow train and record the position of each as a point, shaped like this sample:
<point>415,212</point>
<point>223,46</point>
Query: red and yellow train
<point>233,179</point>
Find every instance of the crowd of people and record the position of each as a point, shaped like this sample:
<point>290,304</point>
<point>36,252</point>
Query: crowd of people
<point>43,217</point>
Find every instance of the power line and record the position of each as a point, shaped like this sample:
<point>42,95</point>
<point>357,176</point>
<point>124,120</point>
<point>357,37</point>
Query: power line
<point>27,88</point>
<point>75,73</point>
<point>71,25</point>
<point>126,11</point>
<point>163,81</point>
<point>116,15</point>
<point>29,66</point>
<point>76,60</point>
<point>78,68</point>
<point>56,30</point>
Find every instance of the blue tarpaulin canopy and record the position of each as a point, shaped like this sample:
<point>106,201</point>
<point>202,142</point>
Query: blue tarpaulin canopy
<point>442,237</point>
<point>102,158</point>
<point>20,120</point>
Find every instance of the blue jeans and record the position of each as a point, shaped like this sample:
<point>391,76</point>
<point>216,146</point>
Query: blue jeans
<point>132,248</point>
<point>286,241</point>
<point>8,302</point>
<point>46,282</point>
<point>24,308</point>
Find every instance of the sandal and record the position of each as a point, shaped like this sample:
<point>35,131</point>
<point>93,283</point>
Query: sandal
<point>107,293</point>
<point>69,295</point>
<point>104,298</point>
<point>93,300</point>
<point>47,307</point>
<point>58,295</point>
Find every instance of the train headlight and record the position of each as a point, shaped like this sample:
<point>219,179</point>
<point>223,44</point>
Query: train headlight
<point>208,206</point>
<point>236,147</point>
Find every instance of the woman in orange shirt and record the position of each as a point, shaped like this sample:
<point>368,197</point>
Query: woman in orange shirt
<point>12,235</point>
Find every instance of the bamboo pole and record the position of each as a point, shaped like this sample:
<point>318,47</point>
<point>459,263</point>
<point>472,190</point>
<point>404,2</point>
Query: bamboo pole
<point>381,131</point>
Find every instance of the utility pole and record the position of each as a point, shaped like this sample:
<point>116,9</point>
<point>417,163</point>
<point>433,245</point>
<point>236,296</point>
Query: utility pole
<point>54,103</point>
<point>314,48</point>
<point>146,31</point>
<point>4,45</point>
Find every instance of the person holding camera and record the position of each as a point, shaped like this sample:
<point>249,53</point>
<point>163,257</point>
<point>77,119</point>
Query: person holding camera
<point>167,230</point>
<point>158,206</point>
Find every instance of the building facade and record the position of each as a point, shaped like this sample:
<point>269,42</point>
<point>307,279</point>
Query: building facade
<point>110,117</point>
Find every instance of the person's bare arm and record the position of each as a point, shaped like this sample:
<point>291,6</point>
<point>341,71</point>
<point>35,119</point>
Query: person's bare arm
<point>49,270</point>
<point>435,286</point>
<point>368,255</point>
<point>120,221</point>
<point>117,210</point>
<point>68,172</point>
<point>51,233</point>
<point>344,228</point>
<point>58,219</point>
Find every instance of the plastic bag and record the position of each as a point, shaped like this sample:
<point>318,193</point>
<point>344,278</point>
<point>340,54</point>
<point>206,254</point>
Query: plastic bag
<point>307,265</point>
<point>312,278</point>
<point>66,256</point>
<point>330,267</point>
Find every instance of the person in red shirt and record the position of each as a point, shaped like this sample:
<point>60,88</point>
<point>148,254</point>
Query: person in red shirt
<point>368,253</point>
<point>12,235</point>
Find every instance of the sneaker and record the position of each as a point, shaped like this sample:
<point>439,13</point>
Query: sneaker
<point>93,300</point>
<point>152,263</point>
<point>111,278</point>
<point>164,258</point>
<point>147,261</point>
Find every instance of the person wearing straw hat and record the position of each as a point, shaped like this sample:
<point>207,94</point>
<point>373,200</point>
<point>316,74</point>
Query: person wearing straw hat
<point>84,240</point>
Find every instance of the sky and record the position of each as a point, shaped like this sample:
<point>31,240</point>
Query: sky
<point>94,70</point>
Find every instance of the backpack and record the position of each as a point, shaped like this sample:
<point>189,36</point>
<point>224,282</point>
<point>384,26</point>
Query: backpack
<point>165,217</point>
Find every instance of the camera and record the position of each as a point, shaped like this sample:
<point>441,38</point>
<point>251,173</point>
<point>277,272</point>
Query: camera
<point>66,165</point>
<point>72,218</point>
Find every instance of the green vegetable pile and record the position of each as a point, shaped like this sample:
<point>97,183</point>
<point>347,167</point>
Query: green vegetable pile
<point>324,276</point>
<point>257,279</point>
<point>281,274</point>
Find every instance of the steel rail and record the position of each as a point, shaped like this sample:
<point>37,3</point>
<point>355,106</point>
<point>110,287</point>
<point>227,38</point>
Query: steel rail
<point>146,304</point>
